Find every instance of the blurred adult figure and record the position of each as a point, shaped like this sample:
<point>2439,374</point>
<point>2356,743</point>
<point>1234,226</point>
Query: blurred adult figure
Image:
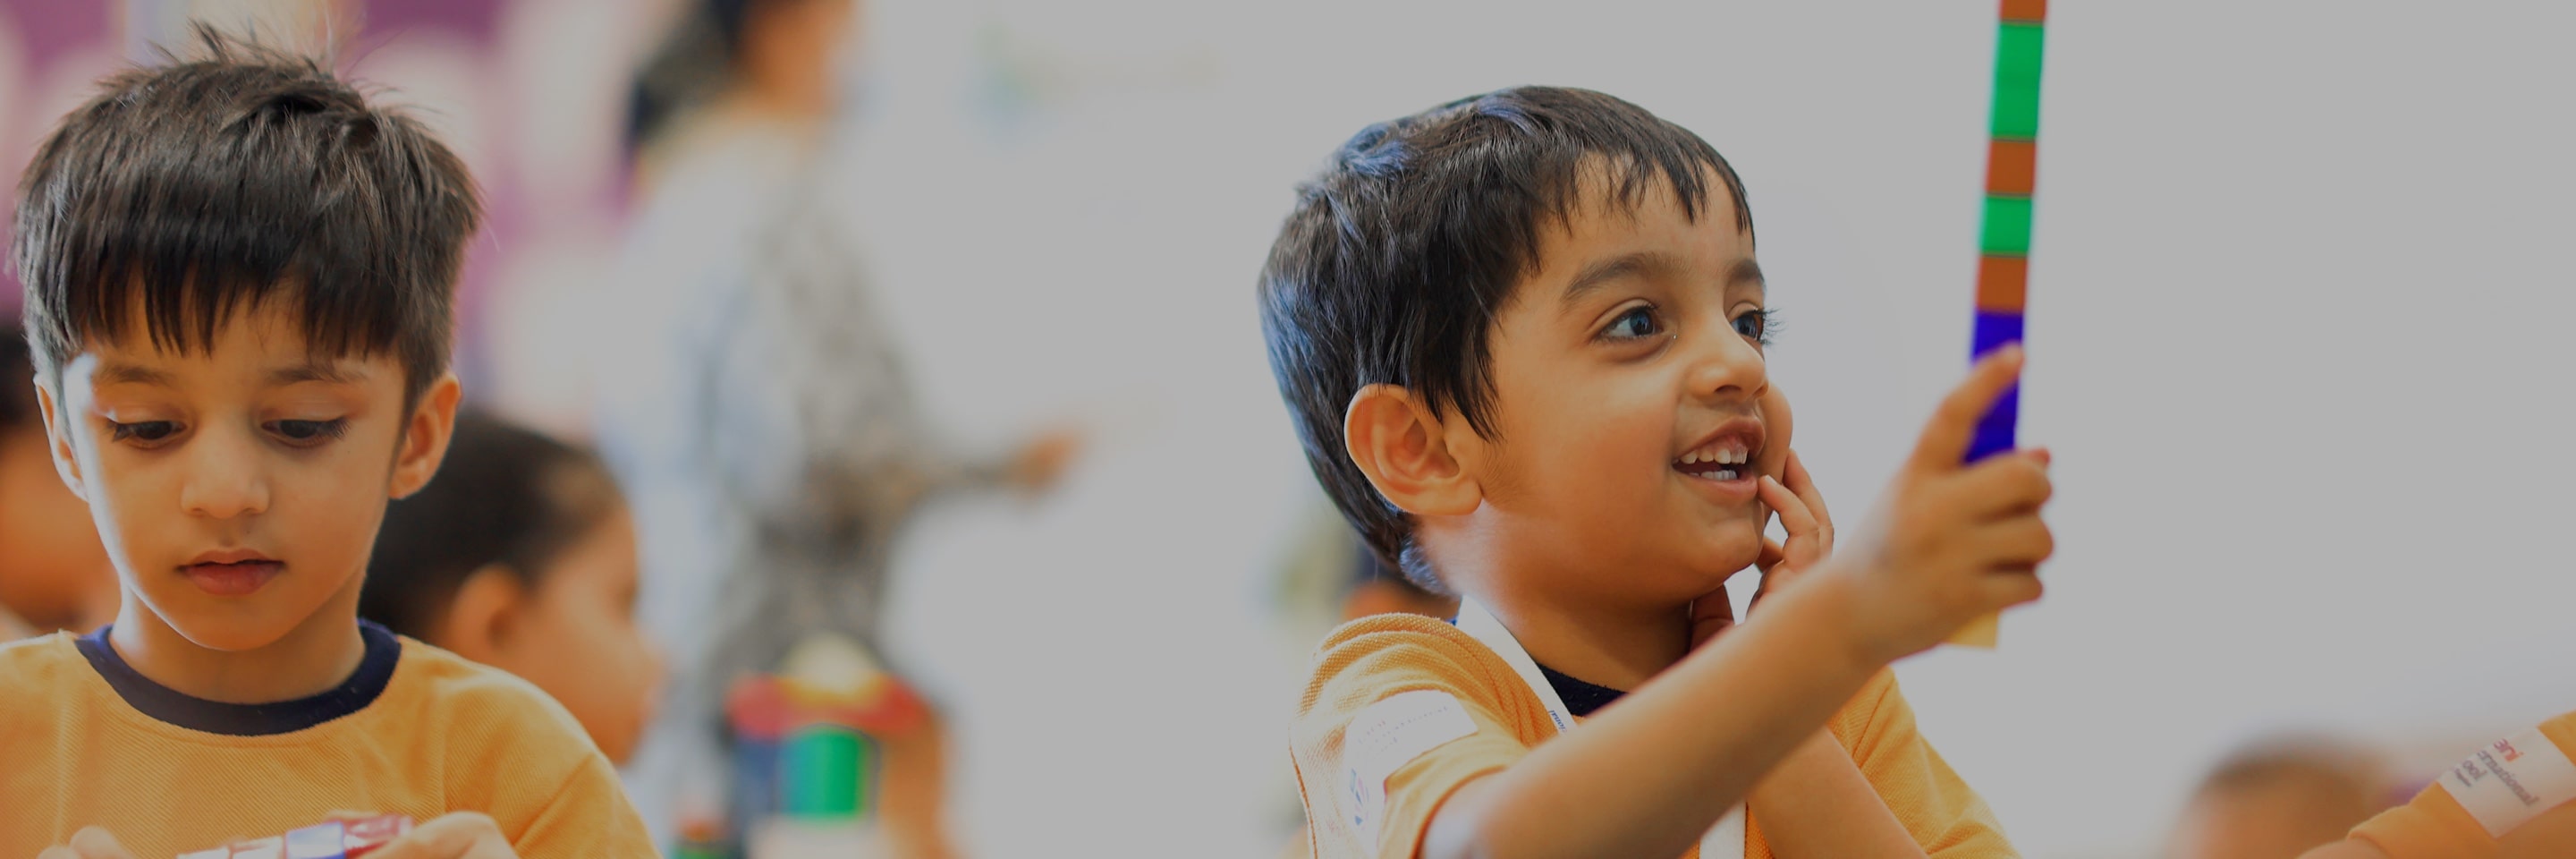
<point>755,407</point>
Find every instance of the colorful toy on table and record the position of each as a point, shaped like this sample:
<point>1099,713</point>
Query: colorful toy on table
<point>805,757</point>
<point>334,839</point>
<point>2003,247</point>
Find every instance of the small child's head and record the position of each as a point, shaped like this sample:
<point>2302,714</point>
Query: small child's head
<point>53,572</point>
<point>521,556</point>
<point>238,284</point>
<point>1527,328</point>
<point>2277,799</point>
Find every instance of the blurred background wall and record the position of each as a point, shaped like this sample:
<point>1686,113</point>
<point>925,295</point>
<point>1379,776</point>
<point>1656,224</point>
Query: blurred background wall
<point>2298,297</point>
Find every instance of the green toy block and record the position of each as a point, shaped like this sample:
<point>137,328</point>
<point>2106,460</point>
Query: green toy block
<point>2018,49</point>
<point>2007,230</point>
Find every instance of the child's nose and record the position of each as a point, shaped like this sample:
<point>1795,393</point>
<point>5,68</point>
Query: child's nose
<point>224,477</point>
<point>1725,366</point>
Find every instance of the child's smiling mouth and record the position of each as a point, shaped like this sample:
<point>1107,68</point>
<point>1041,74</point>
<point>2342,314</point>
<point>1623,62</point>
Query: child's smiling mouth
<point>1725,457</point>
<point>231,572</point>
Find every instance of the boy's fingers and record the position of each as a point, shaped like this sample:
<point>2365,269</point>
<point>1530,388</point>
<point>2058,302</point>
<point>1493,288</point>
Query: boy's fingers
<point>2001,484</point>
<point>1771,555</point>
<point>2017,542</point>
<point>451,836</point>
<point>96,843</point>
<point>1804,484</point>
<point>1711,614</point>
<point>2004,590</point>
<point>1794,516</point>
<point>1945,439</point>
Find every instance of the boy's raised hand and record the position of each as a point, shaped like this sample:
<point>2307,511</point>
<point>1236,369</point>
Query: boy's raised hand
<point>1810,530</point>
<point>1950,543</point>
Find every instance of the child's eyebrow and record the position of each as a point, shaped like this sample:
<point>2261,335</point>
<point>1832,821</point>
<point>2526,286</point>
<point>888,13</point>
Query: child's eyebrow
<point>1592,277</point>
<point>1746,271</point>
<point>129,374</point>
<point>315,371</point>
<point>1601,272</point>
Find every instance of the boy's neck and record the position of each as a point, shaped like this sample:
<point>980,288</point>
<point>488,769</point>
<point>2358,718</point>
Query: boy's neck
<point>308,660</point>
<point>1617,647</point>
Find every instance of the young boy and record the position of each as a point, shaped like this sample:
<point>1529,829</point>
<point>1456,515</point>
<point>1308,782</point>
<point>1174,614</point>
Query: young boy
<point>2515,799</point>
<point>239,279</point>
<point>1521,336</point>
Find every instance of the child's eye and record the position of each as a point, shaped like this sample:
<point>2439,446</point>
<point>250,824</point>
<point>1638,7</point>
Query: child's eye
<point>1633,325</point>
<point>1755,324</point>
<point>146,432</point>
<point>310,431</point>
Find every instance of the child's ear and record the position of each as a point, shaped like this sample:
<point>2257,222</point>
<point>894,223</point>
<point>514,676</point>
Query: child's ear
<point>1403,449</point>
<point>478,621</point>
<point>58,441</point>
<point>424,439</point>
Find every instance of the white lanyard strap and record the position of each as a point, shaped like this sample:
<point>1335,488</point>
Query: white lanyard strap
<point>1723,841</point>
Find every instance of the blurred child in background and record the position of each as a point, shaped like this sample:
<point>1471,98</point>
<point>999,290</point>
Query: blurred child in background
<point>2277,799</point>
<point>521,556</point>
<point>54,573</point>
<point>760,417</point>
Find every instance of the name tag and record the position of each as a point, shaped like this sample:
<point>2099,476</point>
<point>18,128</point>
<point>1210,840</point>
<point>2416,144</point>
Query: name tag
<point>2509,783</point>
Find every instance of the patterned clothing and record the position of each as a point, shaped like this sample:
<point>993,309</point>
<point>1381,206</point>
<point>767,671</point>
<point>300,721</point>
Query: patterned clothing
<point>766,432</point>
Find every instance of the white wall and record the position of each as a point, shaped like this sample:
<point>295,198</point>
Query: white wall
<point>2297,339</point>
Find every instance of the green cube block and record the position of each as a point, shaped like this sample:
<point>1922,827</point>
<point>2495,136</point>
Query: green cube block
<point>2007,230</point>
<point>823,773</point>
<point>2018,49</point>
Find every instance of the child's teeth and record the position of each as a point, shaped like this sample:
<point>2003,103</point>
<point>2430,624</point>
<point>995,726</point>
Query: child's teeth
<point>1691,458</point>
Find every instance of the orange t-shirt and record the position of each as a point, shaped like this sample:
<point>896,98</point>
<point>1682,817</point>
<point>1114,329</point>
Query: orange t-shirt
<point>2513,799</point>
<point>441,735</point>
<point>1363,667</point>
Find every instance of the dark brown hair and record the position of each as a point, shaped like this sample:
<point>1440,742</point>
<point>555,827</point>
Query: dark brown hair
<point>200,187</point>
<point>1398,255</point>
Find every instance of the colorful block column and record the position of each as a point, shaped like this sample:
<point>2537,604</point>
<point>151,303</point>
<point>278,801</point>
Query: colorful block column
<point>2012,157</point>
<point>2003,245</point>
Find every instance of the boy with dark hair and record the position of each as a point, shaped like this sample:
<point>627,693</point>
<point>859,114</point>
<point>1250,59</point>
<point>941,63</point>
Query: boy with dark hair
<point>1522,338</point>
<point>239,279</point>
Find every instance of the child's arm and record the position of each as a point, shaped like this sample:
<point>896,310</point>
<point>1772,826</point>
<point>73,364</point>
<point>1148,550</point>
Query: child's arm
<point>1817,803</point>
<point>1648,776</point>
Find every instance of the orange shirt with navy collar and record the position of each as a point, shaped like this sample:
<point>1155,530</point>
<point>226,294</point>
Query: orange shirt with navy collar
<point>414,730</point>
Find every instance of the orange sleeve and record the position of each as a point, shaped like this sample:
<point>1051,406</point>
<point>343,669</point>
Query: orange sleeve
<point>2435,824</point>
<point>552,793</point>
<point>1947,818</point>
<point>1399,712</point>
<point>589,815</point>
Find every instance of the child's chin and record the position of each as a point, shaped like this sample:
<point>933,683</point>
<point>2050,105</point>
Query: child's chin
<point>232,634</point>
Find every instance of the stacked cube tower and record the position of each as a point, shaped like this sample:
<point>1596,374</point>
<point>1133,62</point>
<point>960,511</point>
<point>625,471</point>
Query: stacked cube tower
<point>2012,159</point>
<point>2003,246</point>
